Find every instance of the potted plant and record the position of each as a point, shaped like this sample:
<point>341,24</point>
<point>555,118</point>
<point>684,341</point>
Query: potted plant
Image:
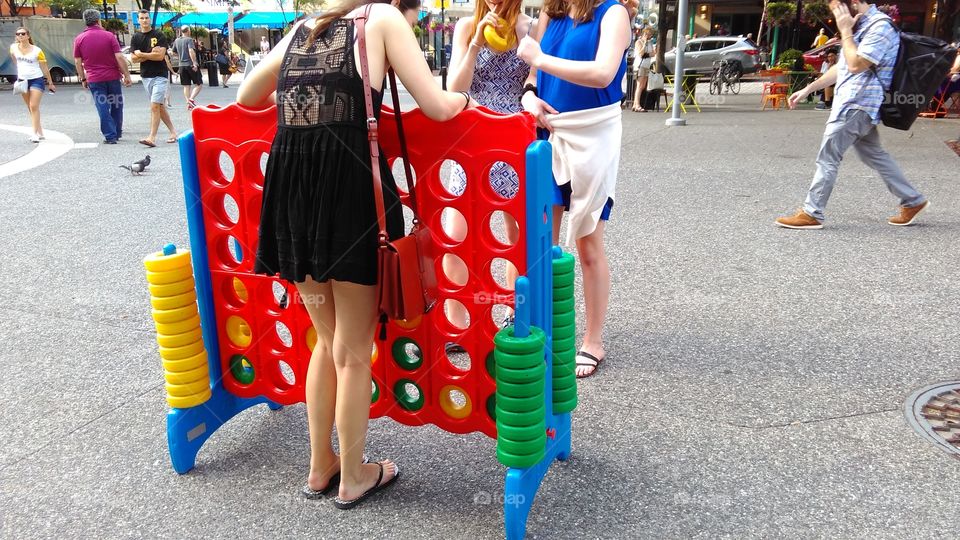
<point>815,13</point>
<point>779,14</point>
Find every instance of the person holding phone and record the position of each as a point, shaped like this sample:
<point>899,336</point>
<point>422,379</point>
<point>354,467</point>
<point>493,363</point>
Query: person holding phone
<point>870,44</point>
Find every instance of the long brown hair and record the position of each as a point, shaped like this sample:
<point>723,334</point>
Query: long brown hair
<point>582,9</point>
<point>29,37</point>
<point>509,11</point>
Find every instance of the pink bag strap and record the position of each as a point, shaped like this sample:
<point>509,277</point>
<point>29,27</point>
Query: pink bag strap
<point>373,130</point>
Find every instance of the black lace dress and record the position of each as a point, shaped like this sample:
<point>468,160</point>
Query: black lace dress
<point>318,216</point>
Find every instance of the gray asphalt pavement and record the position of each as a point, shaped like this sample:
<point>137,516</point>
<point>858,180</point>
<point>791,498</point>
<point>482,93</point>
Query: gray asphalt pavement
<point>753,386</point>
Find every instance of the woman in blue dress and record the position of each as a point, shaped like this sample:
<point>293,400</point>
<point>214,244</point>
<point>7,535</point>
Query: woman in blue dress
<point>574,91</point>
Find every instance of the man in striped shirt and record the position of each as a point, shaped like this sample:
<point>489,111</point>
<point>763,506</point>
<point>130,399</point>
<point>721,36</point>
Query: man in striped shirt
<point>865,67</point>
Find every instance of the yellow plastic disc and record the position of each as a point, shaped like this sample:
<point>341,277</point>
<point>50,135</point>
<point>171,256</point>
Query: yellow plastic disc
<point>187,364</point>
<point>170,276</point>
<point>240,289</point>
<point>409,325</point>
<point>187,402</point>
<point>187,377</point>
<point>179,327</point>
<point>173,302</point>
<point>171,289</point>
<point>189,389</point>
<point>158,262</point>
<point>239,331</point>
<point>179,353</point>
<point>450,407</point>
<point>167,316</point>
<point>179,340</point>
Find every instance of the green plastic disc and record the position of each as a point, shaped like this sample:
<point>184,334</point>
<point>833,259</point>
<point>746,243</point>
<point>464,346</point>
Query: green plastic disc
<point>404,399</point>
<point>518,361</point>
<point>527,433</point>
<point>522,390</point>
<point>563,264</point>
<point>563,345</point>
<point>563,306</point>
<point>506,342</point>
<point>407,361</point>
<point>565,395</point>
<point>521,448</point>
<point>519,462</point>
<point>375,395</point>
<point>562,373</point>
<point>241,369</point>
<point>564,318</point>
<point>560,407</point>
<point>562,293</point>
<point>519,405</point>
<point>563,280</point>
<point>490,364</point>
<point>491,406</point>
<point>520,376</point>
<point>524,419</point>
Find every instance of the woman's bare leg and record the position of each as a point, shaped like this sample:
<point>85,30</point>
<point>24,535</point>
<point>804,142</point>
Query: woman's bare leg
<point>596,292</point>
<point>321,384</point>
<point>34,106</point>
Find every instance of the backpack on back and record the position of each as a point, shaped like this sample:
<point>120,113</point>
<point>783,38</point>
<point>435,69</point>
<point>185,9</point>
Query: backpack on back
<point>921,66</point>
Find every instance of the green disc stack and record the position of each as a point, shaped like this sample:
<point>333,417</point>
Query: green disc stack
<point>520,409</point>
<point>564,336</point>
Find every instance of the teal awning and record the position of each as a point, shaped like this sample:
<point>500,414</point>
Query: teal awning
<point>206,20</point>
<point>267,19</point>
<point>163,17</point>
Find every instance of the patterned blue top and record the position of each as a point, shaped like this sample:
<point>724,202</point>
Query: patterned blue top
<point>570,40</point>
<point>863,91</point>
<point>498,80</point>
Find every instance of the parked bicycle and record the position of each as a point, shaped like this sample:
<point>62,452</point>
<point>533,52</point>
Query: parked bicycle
<point>726,77</point>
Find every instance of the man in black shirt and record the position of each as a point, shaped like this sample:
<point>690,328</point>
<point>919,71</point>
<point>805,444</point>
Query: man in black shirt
<point>149,47</point>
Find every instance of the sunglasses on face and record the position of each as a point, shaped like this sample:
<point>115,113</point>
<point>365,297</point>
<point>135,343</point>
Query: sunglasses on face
<point>21,33</point>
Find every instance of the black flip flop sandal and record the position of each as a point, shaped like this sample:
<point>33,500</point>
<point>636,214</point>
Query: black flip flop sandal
<point>588,360</point>
<point>347,505</point>
<point>333,482</point>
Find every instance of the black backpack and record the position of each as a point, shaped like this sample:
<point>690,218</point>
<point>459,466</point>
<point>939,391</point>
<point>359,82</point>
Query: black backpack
<point>921,66</point>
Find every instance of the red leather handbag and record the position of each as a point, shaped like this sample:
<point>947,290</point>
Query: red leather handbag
<point>407,279</point>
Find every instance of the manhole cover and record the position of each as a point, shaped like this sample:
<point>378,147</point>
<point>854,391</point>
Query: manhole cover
<point>934,412</point>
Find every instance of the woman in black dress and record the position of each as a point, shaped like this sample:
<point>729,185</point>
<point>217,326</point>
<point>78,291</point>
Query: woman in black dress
<point>318,226</point>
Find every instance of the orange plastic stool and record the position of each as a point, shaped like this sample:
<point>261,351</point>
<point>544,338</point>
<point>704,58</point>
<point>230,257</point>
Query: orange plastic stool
<point>776,101</point>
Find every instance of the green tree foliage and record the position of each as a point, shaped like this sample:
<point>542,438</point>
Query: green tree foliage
<point>781,13</point>
<point>816,13</point>
<point>73,9</point>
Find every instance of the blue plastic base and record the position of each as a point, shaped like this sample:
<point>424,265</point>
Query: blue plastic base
<point>188,429</point>
<point>521,485</point>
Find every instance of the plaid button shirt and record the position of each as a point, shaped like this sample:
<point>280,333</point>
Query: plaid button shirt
<point>863,91</point>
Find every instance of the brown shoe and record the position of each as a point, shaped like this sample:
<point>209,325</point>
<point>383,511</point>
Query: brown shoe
<point>908,215</point>
<point>800,220</point>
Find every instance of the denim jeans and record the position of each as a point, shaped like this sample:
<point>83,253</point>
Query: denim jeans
<point>855,129</point>
<point>108,99</point>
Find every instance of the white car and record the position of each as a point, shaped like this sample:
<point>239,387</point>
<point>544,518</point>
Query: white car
<point>133,67</point>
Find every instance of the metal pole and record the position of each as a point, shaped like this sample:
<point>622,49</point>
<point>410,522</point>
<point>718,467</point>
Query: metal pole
<point>443,46</point>
<point>229,30</point>
<point>675,119</point>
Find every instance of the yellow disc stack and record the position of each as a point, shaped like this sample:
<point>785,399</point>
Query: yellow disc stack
<point>174,302</point>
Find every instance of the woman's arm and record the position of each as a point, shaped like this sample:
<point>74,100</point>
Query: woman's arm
<point>404,55</point>
<point>463,59</point>
<point>596,73</point>
<point>258,87</point>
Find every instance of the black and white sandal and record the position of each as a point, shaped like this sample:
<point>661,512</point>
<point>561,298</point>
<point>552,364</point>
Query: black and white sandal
<point>352,503</point>
<point>333,482</point>
<point>585,359</point>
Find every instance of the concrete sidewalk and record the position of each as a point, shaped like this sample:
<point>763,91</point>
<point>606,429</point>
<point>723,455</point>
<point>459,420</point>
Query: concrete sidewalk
<point>753,387</point>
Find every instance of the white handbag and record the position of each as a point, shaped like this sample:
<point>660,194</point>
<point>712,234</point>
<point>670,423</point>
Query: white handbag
<point>20,87</point>
<point>654,81</point>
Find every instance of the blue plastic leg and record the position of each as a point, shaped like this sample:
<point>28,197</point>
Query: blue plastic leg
<point>274,406</point>
<point>188,429</point>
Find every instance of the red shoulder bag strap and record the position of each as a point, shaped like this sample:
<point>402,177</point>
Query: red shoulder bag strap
<point>373,130</point>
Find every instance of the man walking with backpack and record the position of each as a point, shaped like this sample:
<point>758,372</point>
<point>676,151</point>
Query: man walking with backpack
<point>863,71</point>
